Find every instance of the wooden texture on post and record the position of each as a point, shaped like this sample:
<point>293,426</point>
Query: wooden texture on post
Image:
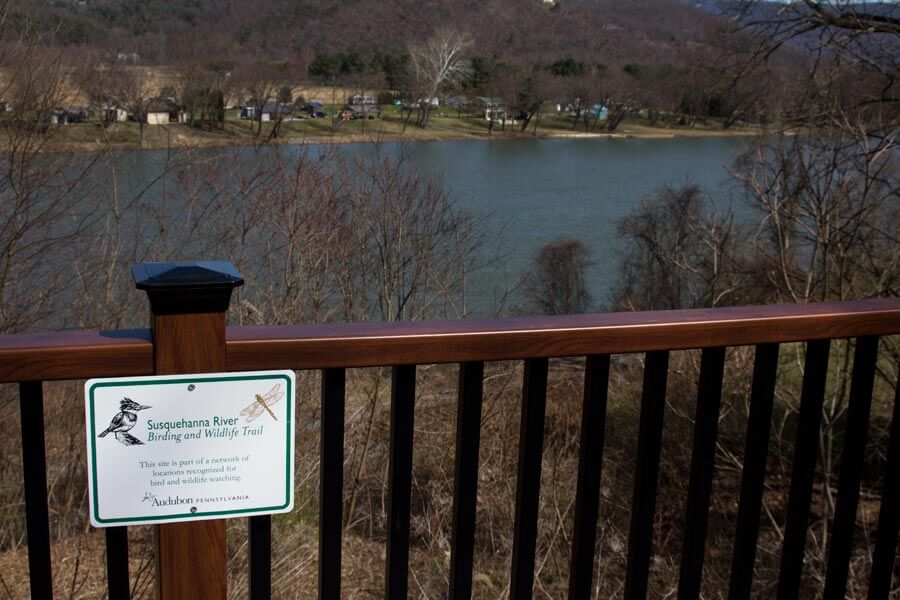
<point>191,559</point>
<point>188,302</point>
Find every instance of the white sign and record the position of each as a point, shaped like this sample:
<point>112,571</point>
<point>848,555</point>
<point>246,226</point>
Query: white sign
<point>189,447</point>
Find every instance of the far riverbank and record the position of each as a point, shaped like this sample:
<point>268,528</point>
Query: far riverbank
<point>391,128</point>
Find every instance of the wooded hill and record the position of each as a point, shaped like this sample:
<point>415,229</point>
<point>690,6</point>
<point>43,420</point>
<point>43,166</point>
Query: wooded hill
<point>522,31</point>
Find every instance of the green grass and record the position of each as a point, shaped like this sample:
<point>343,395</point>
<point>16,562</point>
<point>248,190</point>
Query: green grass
<point>444,123</point>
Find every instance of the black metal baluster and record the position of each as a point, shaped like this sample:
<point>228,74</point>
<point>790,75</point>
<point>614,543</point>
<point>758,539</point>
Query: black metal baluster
<point>590,463</point>
<point>889,514</point>
<point>37,519</point>
<point>860,403</point>
<point>465,488</point>
<point>528,480</point>
<point>117,563</point>
<point>331,483</point>
<point>703,454</point>
<point>756,450</point>
<point>804,468</point>
<point>403,393</point>
<point>260,557</point>
<point>643,505</point>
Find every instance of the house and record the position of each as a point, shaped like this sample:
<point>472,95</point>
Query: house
<point>433,102</point>
<point>492,109</point>
<point>248,113</point>
<point>598,111</point>
<point>156,112</point>
<point>65,116</point>
<point>359,100</point>
<point>498,114</point>
<point>273,111</point>
<point>126,57</point>
<point>114,114</point>
<point>162,111</point>
<point>363,111</point>
<point>485,102</point>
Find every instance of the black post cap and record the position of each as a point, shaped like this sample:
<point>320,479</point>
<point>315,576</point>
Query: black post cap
<point>187,287</point>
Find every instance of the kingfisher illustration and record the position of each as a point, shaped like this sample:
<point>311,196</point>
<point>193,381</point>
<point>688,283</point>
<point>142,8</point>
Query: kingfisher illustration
<point>124,421</point>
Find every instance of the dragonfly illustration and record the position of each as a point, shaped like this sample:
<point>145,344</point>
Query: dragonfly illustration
<point>262,403</point>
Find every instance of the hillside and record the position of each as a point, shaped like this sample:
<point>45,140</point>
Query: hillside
<point>609,31</point>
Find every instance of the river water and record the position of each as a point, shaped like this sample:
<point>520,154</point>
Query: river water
<point>530,192</point>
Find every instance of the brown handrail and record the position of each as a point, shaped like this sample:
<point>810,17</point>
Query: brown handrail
<point>75,355</point>
<point>425,342</point>
<point>83,354</point>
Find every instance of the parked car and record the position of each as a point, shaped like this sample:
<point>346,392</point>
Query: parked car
<point>313,110</point>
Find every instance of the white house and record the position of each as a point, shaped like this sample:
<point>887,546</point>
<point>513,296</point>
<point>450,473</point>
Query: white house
<point>115,115</point>
<point>157,117</point>
<point>162,111</point>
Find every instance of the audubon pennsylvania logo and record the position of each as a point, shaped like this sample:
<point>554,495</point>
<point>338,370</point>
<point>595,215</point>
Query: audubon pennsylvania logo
<point>178,500</point>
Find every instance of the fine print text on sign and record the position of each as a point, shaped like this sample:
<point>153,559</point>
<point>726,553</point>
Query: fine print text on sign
<point>177,448</point>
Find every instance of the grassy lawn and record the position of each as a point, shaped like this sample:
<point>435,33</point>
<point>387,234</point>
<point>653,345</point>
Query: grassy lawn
<point>445,123</point>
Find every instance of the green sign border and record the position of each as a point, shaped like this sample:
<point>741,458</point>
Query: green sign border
<point>190,515</point>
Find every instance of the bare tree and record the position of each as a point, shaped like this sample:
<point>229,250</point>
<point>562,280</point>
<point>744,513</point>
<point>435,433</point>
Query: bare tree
<point>45,202</point>
<point>556,283</point>
<point>828,227</point>
<point>849,53</point>
<point>261,82</point>
<point>134,87</point>
<point>410,251</point>
<point>203,71</point>
<point>436,64</point>
<point>837,25</point>
<point>682,253</point>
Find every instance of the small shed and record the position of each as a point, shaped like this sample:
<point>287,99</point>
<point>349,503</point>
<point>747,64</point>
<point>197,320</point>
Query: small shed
<point>272,111</point>
<point>162,111</point>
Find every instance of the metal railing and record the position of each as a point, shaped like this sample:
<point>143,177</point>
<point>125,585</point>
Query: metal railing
<point>32,358</point>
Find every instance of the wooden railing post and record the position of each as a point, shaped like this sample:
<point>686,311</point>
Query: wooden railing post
<point>188,302</point>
